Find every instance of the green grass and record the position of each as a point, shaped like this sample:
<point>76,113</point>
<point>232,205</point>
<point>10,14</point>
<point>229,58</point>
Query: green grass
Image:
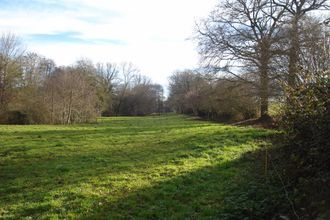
<point>153,167</point>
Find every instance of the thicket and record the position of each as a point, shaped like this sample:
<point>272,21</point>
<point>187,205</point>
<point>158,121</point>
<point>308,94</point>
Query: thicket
<point>191,92</point>
<point>34,90</point>
<point>305,160</point>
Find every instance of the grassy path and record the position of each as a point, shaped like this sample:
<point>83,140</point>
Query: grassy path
<point>126,167</point>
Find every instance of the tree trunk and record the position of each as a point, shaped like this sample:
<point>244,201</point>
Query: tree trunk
<point>264,94</point>
<point>3,90</point>
<point>52,107</point>
<point>264,78</point>
<point>293,53</point>
<point>68,120</point>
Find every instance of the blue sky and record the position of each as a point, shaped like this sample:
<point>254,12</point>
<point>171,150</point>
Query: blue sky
<point>152,34</point>
<point>70,37</point>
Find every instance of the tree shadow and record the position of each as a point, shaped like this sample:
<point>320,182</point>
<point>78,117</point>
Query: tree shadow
<point>234,189</point>
<point>34,181</point>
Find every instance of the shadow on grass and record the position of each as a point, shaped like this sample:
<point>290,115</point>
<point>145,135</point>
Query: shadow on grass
<point>234,189</point>
<point>33,184</point>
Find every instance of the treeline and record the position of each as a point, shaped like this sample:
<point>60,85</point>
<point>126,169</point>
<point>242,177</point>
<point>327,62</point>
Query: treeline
<point>34,90</point>
<point>253,53</point>
<point>196,93</point>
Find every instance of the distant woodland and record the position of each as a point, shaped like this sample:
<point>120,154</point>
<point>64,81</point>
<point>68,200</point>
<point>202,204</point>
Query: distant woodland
<point>34,90</point>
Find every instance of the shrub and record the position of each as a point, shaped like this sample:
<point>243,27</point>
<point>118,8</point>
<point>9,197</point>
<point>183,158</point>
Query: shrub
<point>14,117</point>
<point>306,124</point>
<point>306,121</point>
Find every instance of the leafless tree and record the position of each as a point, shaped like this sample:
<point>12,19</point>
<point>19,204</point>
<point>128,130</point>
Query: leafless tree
<point>10,54</point>
<point>107,75</point>
<point>70,97</point>
<point>184,88</point>
<point>192,93</point>
<point>159,93</point>
<point>314,52</point>
<point>295,10</point>
<point>241,36</point>
<point>127,72</point>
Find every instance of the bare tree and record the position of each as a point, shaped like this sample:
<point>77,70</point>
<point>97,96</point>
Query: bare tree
<point>241,36</point>
<point>34,70</point>
<point>185,88</point>
<point>107,74</point>
<point>34,90</point>
<point>192,93</point>
<point>128,72</point>
<point>314,52</point>
<point>10,54</point>
<point>70,97</point>
<point>159,93</point>
<point>295,10</point>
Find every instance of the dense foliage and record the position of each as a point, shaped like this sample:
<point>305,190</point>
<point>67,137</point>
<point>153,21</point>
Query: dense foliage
<point>306,151</point>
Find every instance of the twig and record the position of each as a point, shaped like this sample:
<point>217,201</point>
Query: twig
<point>284,188</point>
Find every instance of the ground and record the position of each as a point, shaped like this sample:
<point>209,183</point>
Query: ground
<point>154,167</point>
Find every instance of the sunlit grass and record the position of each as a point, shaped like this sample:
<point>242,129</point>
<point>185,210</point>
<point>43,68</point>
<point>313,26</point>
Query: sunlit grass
<point>166,166</point>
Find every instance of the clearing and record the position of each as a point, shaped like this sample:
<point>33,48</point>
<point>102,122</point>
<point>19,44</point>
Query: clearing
<point>167,166</point>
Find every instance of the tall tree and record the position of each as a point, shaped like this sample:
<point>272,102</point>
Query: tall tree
<point>295,10</point>
<point>70,97</point>
<point>10,55</point>
<point>34,69</point>
<point>128,72</point>
<point>107,76</point>
<point>159,94</point>
<point>241,36</point>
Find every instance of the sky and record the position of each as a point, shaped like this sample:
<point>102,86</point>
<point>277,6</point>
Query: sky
<point>155,35</point>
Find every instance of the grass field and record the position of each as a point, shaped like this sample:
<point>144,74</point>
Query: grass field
<point>153,167</point>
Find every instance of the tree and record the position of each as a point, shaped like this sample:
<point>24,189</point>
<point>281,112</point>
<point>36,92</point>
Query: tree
<point>10,55</point>
<point>295,11</point>
<point>314,52</point>
<point>140,97</point>
<point>158,90</point>
<point>34,69</point>
<point>33,90</point>
<point>180,83</point>
<point>107,74</point>
<point>224,100</point>
<point>240,37</point>
<point>70,97</point>
<point>127,72</point>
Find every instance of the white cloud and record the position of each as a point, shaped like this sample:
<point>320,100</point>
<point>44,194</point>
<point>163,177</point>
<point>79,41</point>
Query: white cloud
<point>154,31</point>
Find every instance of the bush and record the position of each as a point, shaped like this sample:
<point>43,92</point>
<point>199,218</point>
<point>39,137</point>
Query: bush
<point>306,124</point>
<point>306,121</point>
<point>14,118</point>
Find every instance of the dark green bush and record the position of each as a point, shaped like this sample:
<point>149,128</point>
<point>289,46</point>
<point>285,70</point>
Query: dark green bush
<point>306,122</point>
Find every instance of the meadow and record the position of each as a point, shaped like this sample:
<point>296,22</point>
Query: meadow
<point>155,167</point>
